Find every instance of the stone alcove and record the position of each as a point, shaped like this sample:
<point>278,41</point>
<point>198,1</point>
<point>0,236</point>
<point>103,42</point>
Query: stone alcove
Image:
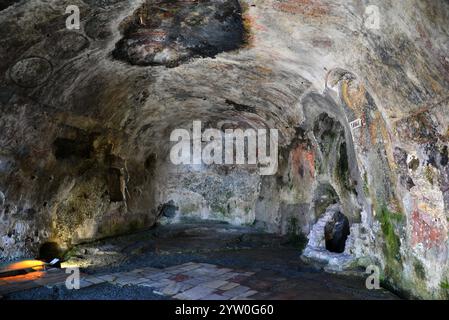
<point>336,232</point>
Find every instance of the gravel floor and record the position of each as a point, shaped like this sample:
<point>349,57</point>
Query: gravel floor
<point>99,292</point>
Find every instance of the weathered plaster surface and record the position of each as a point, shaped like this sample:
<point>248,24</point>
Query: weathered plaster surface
<point>84,137</point>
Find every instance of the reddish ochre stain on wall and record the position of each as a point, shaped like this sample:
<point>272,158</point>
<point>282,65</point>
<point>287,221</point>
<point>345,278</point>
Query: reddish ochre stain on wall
<point>427,231</point>
<point>303,160</point>
<point>310,157</point>
<point>311,8</point>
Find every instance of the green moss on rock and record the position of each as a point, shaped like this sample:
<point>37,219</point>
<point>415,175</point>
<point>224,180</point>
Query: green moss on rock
<point>365,184</point>
<point>392,242</point>
<point>444,285</point>
<point>429,174</point>
<point>419,270</point>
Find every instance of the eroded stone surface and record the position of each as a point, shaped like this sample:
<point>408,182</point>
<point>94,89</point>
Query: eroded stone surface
<point>31,72</point>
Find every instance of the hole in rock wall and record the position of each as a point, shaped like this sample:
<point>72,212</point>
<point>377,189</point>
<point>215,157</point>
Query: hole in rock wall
<point>343,164</point>
<point>116,185</point>
<point>150,164</point>
<point>69,148</point>
<point>49,251</point>
<point>336,232</point>
<point>168,209</point>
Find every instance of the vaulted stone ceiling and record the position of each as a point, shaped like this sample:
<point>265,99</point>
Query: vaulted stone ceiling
<point>86,117</point>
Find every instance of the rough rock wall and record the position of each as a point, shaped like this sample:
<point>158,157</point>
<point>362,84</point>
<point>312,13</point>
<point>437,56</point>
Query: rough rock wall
<point>84,132</point>
<point>212,193</point>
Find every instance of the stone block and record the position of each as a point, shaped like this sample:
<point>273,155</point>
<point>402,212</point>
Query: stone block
<point>197,293</point>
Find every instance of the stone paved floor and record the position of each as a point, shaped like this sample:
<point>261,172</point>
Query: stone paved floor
<point>188,281</point>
